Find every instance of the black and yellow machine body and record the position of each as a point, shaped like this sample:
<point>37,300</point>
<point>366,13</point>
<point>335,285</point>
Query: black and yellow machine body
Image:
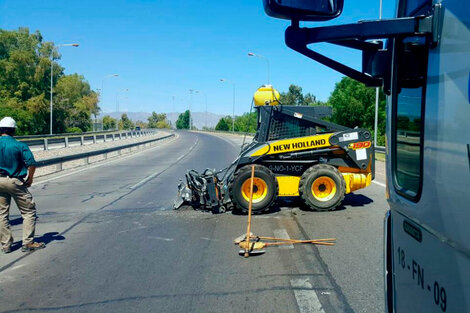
<point>296,153</point>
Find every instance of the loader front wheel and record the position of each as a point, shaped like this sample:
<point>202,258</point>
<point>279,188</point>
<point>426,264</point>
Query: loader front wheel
<point>265,189</point>
<point>322,187</point>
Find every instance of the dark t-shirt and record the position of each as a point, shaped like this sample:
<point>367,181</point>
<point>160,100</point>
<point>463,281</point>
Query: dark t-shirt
<point>15,157</point>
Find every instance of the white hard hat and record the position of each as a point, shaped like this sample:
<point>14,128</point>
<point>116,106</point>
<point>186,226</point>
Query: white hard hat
<point>7,122</point>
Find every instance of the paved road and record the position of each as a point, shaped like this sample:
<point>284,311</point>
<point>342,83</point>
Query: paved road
<point>115,245</point>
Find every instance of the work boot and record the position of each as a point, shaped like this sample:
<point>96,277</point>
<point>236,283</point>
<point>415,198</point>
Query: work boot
<point>6,249</point>
<point>33,246</point>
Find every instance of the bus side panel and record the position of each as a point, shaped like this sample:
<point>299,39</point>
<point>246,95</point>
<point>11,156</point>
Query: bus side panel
<point>430,237</point>
<point>429,275</point>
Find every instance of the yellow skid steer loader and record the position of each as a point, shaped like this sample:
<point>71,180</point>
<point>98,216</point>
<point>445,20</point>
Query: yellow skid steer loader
<point>295,153</point>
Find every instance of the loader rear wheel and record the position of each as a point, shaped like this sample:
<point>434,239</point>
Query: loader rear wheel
<point>265,189</point>
<point>322,187</point>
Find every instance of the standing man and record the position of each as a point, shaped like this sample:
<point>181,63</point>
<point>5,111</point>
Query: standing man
<point>16,163</point>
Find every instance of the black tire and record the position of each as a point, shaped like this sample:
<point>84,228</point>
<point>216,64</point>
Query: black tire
<point>322,187</point>
<point>267,191</point>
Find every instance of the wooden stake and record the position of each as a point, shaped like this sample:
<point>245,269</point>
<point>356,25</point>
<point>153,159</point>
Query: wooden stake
<point>250,203</point>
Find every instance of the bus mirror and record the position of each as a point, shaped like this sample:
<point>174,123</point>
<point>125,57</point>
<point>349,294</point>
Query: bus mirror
<point>304,10</point>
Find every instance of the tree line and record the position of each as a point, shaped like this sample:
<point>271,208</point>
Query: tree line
<point>155,120</point>
<point>25,76</point>
<point>25,90</point>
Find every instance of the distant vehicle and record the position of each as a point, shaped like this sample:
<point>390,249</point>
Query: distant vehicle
<point>137,128</point>
<point>424,69</point>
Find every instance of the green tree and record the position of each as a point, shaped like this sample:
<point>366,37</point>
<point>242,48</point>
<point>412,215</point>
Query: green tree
<point>163,124</point>
<point>183,120</point>
<point>222,125</point>
<point>109,123</point>
<point>246,123</point>
<point>293,97</point>
<point>25,75</point>
<point>158,121</point>
<point>310,99</point>
<point>25,78</point>
<point>75,102</point>
<point>125,122</point>
<point>354,105</point>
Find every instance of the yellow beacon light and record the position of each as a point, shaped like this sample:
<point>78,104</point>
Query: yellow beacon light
<point>266,95</point>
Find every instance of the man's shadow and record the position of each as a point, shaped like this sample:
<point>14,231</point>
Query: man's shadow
<point>46,238</point>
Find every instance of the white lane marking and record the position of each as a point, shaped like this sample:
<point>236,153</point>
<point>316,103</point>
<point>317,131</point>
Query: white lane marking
<point>282,233</point>
<point>265,217</point>
<point>160,238</point>
<point>150,177</point>
<point>17,267</point>
<point>101,164</point>
<point>306,297</point>
<point>145,180</point>
<point>377,183</point>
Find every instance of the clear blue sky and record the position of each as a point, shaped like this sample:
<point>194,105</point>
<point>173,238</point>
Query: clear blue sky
<point>163,48</point>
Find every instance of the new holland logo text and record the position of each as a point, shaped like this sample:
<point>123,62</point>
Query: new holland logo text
<point>299,145</point>
<point>359,145</point>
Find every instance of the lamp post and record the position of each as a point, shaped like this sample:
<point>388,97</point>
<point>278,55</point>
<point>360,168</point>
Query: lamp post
<point>191,91</point>
<point>233,105</point>
<point>251,54</point>
<point>52,75</point>
<point>102,86</point>
<point>377,96</point>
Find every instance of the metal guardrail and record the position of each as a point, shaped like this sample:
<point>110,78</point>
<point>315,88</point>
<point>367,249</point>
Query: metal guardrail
<point>71,134</point>
<point>86,155</point>
<point>380,149</point>
<point>46,141</point>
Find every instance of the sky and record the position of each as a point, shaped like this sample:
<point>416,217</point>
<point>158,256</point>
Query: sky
<point>163,48</point>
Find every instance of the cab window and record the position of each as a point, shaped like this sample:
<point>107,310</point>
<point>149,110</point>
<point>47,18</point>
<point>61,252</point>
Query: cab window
<point>408,124</point>
<point>409,94</point>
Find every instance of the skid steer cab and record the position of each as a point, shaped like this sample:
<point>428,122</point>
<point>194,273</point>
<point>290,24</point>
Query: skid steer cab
<point>296,154</point>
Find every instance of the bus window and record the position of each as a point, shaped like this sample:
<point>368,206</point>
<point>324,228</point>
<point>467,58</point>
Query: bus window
<point>408,116</point>
<point>408,141</point>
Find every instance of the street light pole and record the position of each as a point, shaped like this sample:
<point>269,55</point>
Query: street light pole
<point>251,54</point>
<point>102,86</point>
<point>191,91</point>
<point>233,104</point>
<point>52,77</point>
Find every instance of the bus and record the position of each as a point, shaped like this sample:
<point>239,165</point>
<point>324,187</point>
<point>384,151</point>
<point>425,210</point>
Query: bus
<point>421,59</point>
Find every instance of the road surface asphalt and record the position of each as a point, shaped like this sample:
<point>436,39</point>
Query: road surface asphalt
<point>114,244</point>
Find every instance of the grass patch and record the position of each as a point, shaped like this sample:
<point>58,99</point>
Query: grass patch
<point>380,156</point>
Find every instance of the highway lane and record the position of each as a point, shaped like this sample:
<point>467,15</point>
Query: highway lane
<point>119,247</point>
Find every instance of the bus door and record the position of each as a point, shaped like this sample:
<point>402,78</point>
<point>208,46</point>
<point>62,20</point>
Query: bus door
<point>428,167</point>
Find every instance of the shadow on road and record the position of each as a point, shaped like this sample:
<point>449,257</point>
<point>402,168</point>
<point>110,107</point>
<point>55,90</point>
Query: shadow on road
<point>49,237</point>
<point>355,200</point>
<point>46,238</point>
